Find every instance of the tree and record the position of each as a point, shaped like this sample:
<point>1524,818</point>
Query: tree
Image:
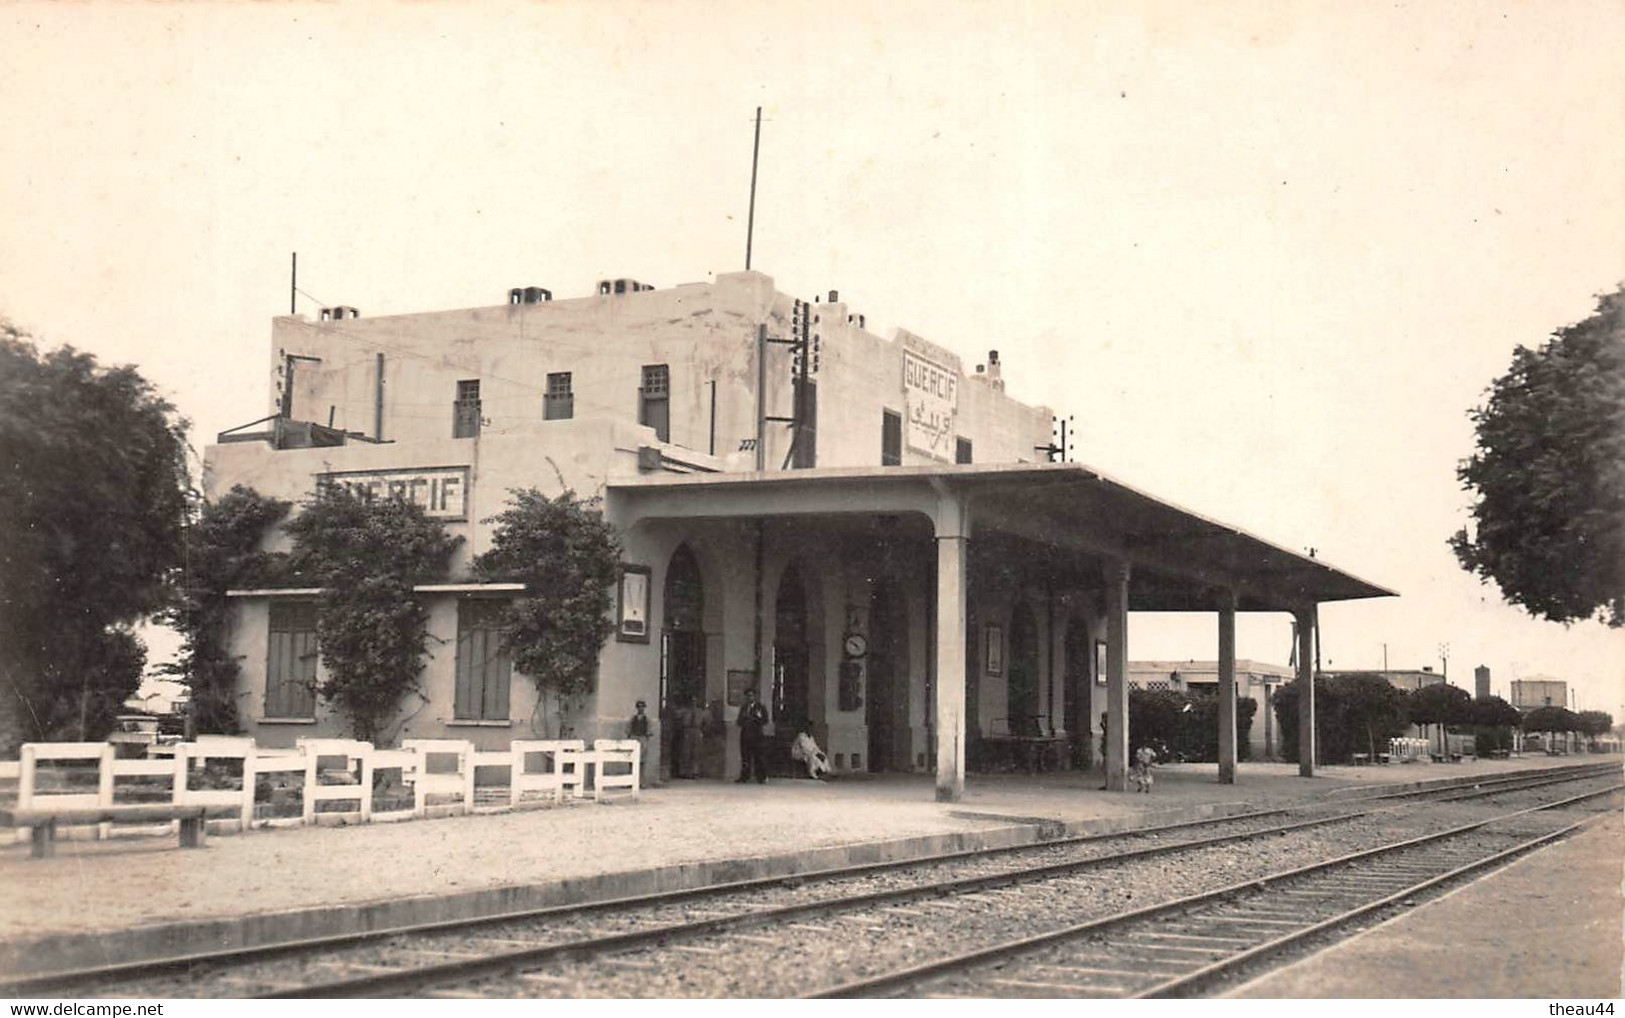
<point>568,558</point>
<point>1353,714</point>
<point>366,555</point>
<point>222,552</point>
<point>90,535</point>
<point>1592,723</point>
<point>1549,719</point>
<point>1493,720</point>
<point>1441,704</point>
<point>1372,707</point>
<point>1182,726</point>
<point>1549,475</point>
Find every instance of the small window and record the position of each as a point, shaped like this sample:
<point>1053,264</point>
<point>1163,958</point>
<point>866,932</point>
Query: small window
<point>290,661</point>
<point>962,450</point>
<point>891,439</point>
<point>559,402</point>
<point>466,410</point>
<point>654,400</point>
<point>483,666</point>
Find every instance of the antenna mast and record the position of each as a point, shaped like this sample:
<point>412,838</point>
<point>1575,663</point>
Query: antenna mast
<point>750,222</point>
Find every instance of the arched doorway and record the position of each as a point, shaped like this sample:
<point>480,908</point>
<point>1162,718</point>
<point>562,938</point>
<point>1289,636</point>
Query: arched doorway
<point>790,702</point>
<point>1023,672</point>
<point>886,705</point>
<point>1077,690</point>
<point>682,662</point>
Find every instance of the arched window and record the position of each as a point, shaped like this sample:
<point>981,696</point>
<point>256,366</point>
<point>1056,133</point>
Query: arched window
<point>682,636</point>
<point>1023,672</point>
<point>791,699</point>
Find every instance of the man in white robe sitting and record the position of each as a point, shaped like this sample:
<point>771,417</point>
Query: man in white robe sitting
<point>805,749</point>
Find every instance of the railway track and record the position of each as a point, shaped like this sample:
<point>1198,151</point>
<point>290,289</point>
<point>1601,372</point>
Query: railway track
<point>1180,947</point>
<point>525,953</point>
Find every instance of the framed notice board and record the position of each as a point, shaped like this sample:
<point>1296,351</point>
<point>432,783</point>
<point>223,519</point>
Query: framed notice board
<point>739,680</point>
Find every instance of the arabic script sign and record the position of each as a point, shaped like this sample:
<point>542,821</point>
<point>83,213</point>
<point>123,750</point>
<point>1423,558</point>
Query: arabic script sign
<point>930,399</point>
<point>441,491</point>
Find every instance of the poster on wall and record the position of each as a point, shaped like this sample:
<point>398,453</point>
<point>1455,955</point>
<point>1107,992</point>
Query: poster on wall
<point>632,606</point>
<point>1100,662</point>
<point>739,680</point>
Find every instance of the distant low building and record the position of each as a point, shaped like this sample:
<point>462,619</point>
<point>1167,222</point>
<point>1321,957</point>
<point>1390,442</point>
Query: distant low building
<point>1254,680</point>
<point>1400,678</point>
<point>1540,691</point>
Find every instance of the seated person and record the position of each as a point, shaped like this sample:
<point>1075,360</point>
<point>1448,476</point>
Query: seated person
<point>805,749</point>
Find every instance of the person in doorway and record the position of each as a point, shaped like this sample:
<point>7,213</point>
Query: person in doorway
<point>805,749</point>
<point>1144,759</point>
<point>638,728</point>
<point>752,744</point>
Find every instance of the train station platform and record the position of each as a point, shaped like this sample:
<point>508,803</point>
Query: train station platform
<point>139,897</point>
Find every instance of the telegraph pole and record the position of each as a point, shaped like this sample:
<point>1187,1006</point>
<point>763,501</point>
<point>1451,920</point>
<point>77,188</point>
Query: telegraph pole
<point>293,286</point>
<point>761,395</point>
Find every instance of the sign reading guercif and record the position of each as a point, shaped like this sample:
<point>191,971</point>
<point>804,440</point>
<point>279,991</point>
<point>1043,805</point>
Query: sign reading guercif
<point>930,398</point>
<point>441,491</point>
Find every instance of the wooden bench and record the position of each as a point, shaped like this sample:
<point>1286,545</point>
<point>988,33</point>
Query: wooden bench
<point>43,820</point>
<point>1028,743</point>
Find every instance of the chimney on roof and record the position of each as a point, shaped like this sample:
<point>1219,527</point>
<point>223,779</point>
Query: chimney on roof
<point>529,295</point>
<point>995,370</point>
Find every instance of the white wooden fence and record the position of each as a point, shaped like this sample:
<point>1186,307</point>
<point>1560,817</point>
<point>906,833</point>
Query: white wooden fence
<point>1407,750</point>
<point>335,772</point>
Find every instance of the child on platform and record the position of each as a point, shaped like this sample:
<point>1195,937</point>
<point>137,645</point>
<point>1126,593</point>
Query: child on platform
<point>1144,759</point>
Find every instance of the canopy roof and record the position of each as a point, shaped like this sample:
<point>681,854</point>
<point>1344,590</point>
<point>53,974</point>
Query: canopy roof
<point>1065,517</point>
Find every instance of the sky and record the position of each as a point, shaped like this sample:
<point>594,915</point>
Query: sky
<point>1265,256</point>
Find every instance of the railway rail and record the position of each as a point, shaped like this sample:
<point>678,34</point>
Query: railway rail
<point>1178,948</point>
<point>515,947</point>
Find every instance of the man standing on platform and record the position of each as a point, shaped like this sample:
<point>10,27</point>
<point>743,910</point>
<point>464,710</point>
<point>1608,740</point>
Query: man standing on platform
<point>752,750</point>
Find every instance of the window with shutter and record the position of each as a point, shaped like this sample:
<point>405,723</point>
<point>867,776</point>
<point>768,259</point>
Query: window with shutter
<point>466,410</point>
<point>560,402</point>
<point>891,439</point>
<point>654,400</point>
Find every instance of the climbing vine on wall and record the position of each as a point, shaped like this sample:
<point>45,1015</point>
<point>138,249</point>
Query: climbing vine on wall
<point>366,555</point>
<point>568,558</point>
<point>222,551</point>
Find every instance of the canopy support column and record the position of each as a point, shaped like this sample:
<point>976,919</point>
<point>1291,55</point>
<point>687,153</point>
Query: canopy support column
<point>1227,689</point>
<point>1117,763</point>
<point>1306,690</point>
<point>951,604</point>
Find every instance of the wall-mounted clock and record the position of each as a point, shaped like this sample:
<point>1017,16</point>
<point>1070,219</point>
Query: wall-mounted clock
<point>855,645</point>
